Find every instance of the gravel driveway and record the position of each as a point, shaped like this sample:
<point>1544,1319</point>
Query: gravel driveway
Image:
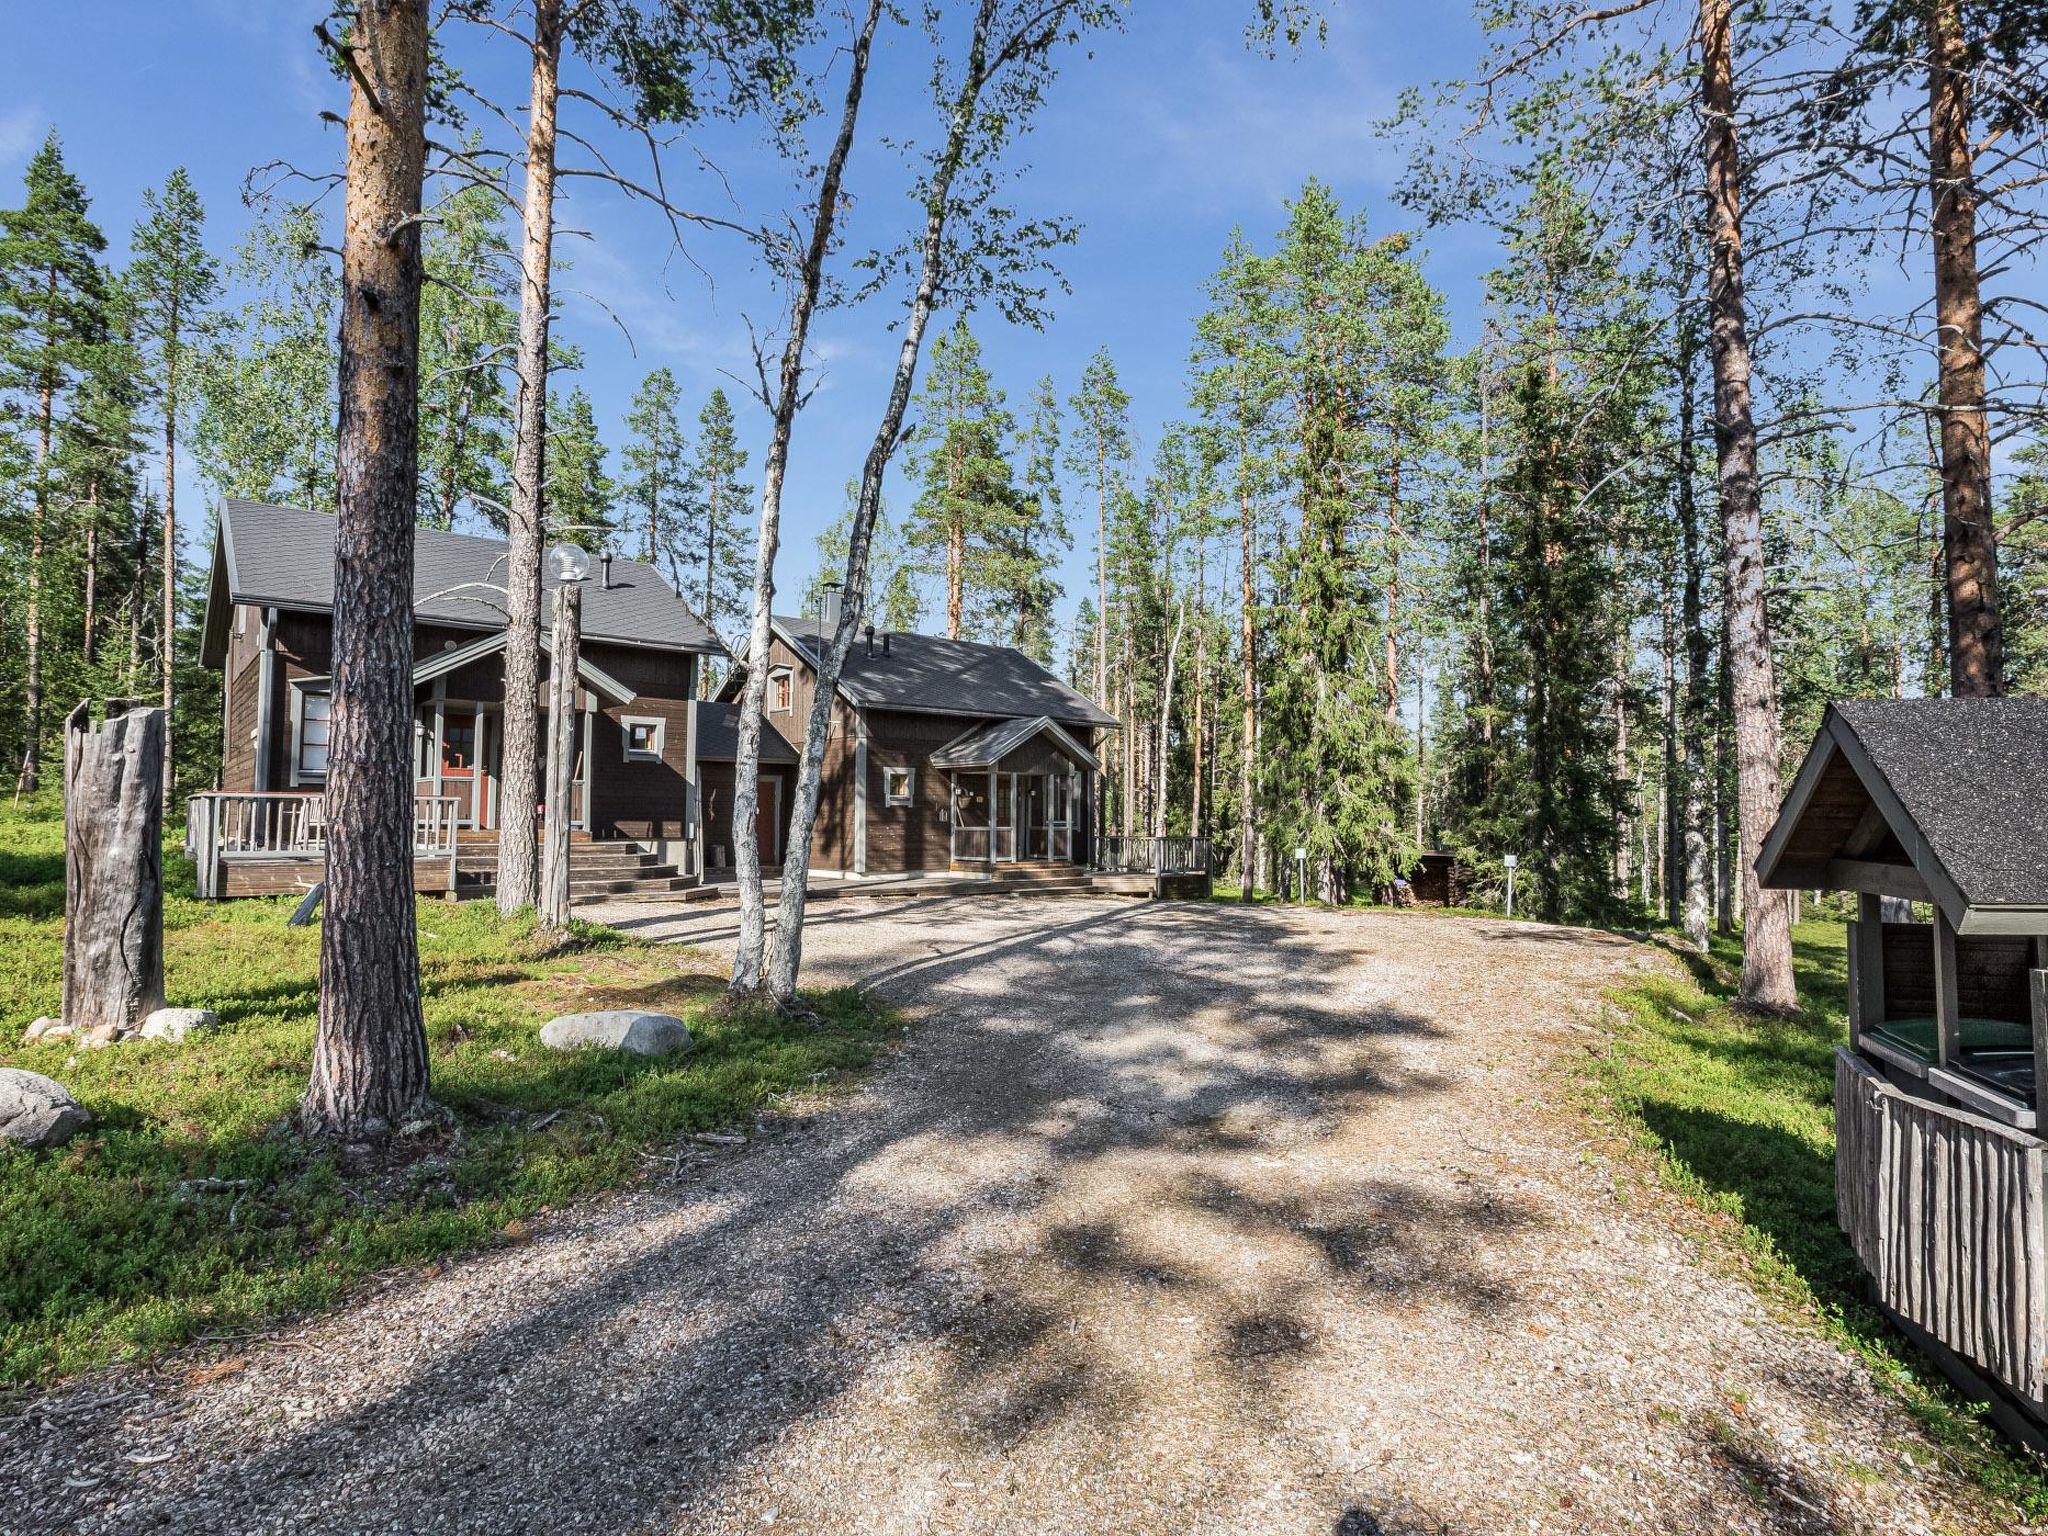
<point>1170,1218</point>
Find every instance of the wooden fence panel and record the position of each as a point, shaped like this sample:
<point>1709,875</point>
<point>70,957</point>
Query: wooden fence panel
<point>1945,1210</point>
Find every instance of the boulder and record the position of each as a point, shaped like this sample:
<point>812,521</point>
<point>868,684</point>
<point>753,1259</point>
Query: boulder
<point>36,1112</point>
<point>177,1023</point>
<point>617,1029</point>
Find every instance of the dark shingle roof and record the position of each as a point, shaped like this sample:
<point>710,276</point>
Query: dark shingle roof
<point>954,677</point>
<point>718,735</point>
<point>284,557</point>
<point>1973,776</point>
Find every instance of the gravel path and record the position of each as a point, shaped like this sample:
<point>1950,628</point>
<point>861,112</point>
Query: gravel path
<point>1171,1218</point>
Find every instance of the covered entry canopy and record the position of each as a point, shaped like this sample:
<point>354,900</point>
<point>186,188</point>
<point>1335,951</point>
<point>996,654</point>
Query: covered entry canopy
<point>1938,800</point>
<point>988,746</point>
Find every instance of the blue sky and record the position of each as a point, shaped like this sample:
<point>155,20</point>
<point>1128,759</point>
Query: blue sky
<point>1168,136</point>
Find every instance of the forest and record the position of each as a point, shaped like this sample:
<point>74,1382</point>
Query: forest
<point>1751,423</point>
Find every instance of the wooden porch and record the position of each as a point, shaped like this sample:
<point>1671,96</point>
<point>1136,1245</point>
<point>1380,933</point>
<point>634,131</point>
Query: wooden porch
<point>275,843</point>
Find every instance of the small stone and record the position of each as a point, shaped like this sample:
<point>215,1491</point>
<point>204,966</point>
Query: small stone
<point>37,1112</point>
<point>177,1023</point>
<point>45,1028</point>
<point>617,1029</point>
<point>104,1034</point>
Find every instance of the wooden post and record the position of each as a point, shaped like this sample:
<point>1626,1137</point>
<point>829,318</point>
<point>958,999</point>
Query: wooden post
<point>1947,1004</point>
<point>1866,968</point>
<point>2039,994</point>
<point>113,871</point>
<point>554,882</point>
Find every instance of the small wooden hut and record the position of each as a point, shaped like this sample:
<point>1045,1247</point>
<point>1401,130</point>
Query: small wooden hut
<point>1941,804</point>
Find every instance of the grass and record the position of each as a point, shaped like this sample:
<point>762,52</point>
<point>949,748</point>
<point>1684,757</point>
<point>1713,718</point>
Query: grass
<point>1738,1111</point>
<point>185,1211</point>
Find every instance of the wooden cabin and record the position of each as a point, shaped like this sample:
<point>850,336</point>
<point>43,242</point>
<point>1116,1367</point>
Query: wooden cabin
<point>652,759</point>
<point>1934,813</point>
<point>943,756</point>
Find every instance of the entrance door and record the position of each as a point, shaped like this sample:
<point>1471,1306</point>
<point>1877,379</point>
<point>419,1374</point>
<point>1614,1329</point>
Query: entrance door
<point>768,819</point>
<point>459,759</point>
<point>1059,825</point>
<point>1031,839</point>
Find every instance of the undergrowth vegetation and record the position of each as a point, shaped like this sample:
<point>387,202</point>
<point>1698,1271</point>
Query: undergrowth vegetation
<point>186,1210</point>
<point>1738,1109</point>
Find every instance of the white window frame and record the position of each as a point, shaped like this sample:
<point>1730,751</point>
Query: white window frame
<point>302,689</point>
<point>908,796</point>
<point>781,675</point>
<point>635,754</point>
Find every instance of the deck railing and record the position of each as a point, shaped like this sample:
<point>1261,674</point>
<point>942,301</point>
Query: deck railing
<point>1152,855</point>
<point>222,826</point>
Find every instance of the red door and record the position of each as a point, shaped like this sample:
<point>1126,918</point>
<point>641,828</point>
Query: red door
<point>458,762</point>
<point>768,820</point>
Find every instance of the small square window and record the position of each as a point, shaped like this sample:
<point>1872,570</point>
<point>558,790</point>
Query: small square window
<point>644,738</point>
<point>780,691</point>
<point>897,786</point>
<point>309,760</point>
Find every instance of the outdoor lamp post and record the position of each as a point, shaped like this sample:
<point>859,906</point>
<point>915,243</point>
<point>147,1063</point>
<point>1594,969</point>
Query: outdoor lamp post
<point>1510,861</point>
<point>1301,874</point>
<point>571,566</point>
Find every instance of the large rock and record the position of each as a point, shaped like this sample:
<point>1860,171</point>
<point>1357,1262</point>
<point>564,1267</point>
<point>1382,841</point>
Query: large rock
<point>36,1112</point>
<point>177,1023</point>
<point>617,1029</point>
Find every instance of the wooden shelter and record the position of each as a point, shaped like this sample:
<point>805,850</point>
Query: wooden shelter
<point>1934,812</point>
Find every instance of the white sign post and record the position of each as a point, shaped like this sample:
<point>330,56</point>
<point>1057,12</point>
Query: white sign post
<point>1511,861</point>
<point>1301,874</point>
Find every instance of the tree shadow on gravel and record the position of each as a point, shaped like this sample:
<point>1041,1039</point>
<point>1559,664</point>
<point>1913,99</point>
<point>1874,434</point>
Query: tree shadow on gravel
<point>646,1350</point>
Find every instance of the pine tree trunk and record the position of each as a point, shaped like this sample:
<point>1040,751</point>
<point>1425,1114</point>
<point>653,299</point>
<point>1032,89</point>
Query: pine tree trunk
<point>39,511</point>
<point>1767,980</point>
<point>750,953</point>
<point>519,767</point>
<point>1976,650</point>
<point>168,651</point>
<point>1247,833</point>
<point>1698,879</point>
<point>370,1053</point>
<point>956,579</point>
<point>1195,827</point>
<point>92,572</point>
<point>1101,564</point>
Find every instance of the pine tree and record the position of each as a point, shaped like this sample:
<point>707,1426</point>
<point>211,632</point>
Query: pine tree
<point>52,311</point>
<point>172,282</point>
<point>467,326</point>
<point>1023,553</point>
<point>969,503</point>
<point>581,497</point>
<point>267,412</point>
<point>1099,451</point>
<point>713,539</point>
<point>656,476</point>
<point>894,602</point>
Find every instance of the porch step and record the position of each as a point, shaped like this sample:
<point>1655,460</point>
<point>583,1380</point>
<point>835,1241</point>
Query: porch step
<point>597,870</point>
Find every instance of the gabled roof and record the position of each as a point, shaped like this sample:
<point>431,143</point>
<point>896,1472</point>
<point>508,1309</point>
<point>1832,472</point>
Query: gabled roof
<point>1951,794</point>
<point>985,746</point>
<point>283,557</point>
<point>595,678</point>
<point>929,675</point>
<point>718,735</point>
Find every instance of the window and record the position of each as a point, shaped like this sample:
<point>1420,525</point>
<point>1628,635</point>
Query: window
<point>779,691</point>
<point>309,749</point>
<point>644,737</point>
<point>897,786</point>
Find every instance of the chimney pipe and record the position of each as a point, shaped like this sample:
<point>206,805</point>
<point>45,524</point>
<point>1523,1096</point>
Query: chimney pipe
<point>885,642</point>
<point>605,560</point>
<point>871,639</point>
<point>828,610</point>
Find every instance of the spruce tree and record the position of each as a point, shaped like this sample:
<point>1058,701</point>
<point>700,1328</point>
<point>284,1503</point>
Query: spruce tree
<point>581,498</point>
<point>52,311</point>
<point>968,503</point>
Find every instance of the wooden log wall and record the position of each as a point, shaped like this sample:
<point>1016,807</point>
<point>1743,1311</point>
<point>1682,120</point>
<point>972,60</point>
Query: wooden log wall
<point>1945,1209</point>
<point>1991,973</point>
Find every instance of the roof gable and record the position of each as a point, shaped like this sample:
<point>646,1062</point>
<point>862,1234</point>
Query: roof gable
<point>985,746</point>
<point>283,557</point>
<point>1956,790</point>
<point>592,676</point>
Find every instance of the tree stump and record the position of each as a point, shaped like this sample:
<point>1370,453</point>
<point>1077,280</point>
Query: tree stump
<point>113,871</point>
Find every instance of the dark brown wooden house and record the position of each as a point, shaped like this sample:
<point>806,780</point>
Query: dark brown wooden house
<point>1934,812</point>
<point>647,748</point>
<point>941,755</point>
